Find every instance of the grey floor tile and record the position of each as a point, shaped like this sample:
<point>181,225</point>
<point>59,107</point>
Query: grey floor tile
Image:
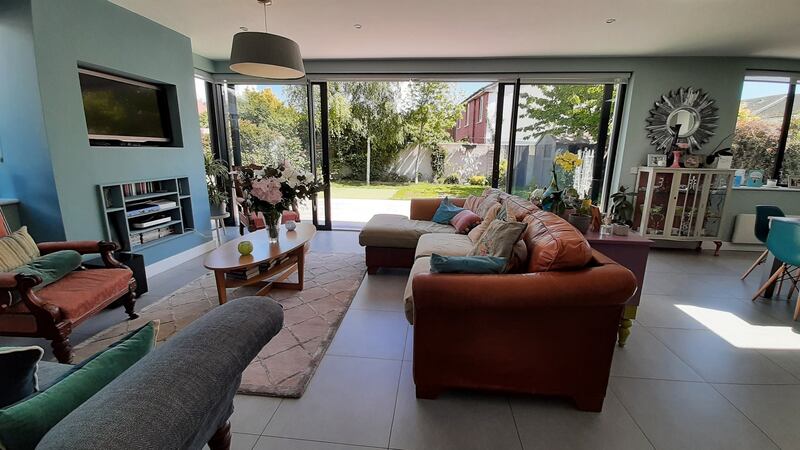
<point>772,408</point>
<point>371,334</point>
<point>718,361</point>
<point>252,412</point>
<point>455,420</point>
<point>383,292</point>
<point>670,311</point>
<point>336,242</point>
<point>687,415</point>
<point>408,354</point>
<point>644,356</point>
<point>549,423</point>
<point>275,443</point>
<point>349,401</point>
<point>789,359</point>
<point>241,441</point>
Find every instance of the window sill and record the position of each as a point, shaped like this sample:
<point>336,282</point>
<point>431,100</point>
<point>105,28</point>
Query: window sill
<point>766,189</point>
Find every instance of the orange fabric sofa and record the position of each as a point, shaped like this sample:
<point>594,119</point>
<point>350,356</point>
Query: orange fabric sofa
<point>547,328</point>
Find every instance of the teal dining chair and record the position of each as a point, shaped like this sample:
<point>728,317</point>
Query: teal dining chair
<point>761,230</point>
<point>783,242</point>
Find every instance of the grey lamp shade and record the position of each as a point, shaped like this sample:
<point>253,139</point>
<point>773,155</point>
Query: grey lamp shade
<point>267,56</point>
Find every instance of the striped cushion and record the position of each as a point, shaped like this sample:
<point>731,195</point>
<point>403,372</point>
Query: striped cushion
<point>17,249</point>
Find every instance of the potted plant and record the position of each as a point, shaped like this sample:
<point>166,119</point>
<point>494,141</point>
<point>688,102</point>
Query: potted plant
<point>621,212</point>
<point>218,183</point>
<point>582,217</point>
<point>555,199</point>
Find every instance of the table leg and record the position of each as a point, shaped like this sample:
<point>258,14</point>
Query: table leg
<point>219,277</point>
<point>300,268</point>
<point>625,324</point>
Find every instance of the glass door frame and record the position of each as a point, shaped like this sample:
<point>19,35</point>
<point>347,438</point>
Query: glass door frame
<point>324,151</point>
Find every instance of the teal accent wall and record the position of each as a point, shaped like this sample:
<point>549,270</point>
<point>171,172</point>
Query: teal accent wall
<point>100,34</point>
<point>25,170</point>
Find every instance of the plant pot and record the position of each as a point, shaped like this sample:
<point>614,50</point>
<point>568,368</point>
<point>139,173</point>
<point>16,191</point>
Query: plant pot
<point>567,212</point>
<point>219,209</point>
<point>581,222</point>
<point>620,229</point>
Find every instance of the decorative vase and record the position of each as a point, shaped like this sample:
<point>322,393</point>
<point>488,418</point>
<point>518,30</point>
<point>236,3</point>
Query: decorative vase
<point>272,219</point>
<point>581,222</point>
<point>676,159</point>
<point>290,225</point>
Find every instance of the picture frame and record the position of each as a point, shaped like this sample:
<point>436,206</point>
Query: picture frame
<point>793,182</point>
<point>656,160</point>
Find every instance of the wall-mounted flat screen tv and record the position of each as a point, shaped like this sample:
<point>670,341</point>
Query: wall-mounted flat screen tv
<point>120,111</point>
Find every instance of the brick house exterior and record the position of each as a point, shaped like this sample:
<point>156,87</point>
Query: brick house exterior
<point>473,126</point>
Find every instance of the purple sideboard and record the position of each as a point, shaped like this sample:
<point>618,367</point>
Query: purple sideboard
<point>630,251</point>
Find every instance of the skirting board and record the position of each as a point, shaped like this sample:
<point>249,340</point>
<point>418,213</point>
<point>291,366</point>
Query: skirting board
<point>174,260</point>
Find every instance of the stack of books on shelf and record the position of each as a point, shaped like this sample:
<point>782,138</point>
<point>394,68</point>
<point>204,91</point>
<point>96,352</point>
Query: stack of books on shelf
<point>244,274</point>
<point>151,235</point>
<point>141,188</point>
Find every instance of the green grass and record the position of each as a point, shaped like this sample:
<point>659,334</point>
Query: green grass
<point>398,191</point>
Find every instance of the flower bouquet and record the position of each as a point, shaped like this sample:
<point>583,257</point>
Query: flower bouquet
<point>273,190</point>
<point>557,199</point>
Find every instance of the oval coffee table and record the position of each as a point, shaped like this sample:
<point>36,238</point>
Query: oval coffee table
<point>274,262</point>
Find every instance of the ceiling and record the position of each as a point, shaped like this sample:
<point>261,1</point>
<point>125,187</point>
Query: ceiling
<point>491,28</point>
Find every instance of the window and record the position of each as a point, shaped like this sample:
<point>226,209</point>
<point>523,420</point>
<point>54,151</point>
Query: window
<point>466,118</point>
<point>767,136</point>
<point>201,90</point>
<point>480,110</point>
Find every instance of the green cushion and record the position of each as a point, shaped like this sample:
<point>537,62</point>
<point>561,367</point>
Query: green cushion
<point>23,424</point>
<point>467,264</point>
<point>52,267</point>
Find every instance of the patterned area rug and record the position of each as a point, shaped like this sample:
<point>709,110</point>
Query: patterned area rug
<point>283,367</point>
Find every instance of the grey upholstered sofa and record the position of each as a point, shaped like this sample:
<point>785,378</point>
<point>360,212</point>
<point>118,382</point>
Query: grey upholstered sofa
<point>180,396</point>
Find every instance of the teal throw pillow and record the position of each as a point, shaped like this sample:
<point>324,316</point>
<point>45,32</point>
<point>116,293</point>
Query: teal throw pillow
<point>18,375</point>
<point>25,423</point>
<point>467,264</point>
<point>446,211</point>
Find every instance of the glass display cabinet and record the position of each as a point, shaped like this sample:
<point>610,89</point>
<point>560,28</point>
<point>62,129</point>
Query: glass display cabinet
<point>681,204</point>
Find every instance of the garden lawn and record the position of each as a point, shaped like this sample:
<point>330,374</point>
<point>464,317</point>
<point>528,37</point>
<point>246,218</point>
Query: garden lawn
<point>381,191</point>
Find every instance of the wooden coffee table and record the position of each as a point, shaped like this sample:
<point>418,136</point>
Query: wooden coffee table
<point>283,258</point>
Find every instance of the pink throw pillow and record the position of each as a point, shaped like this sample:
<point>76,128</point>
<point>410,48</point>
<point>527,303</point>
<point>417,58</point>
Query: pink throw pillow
<point>465,221</point>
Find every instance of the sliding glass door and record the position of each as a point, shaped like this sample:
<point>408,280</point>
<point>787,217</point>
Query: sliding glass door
<point>571,120</point>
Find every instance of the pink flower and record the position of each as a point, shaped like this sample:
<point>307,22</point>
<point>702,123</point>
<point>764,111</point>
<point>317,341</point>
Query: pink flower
<point>268,190</point>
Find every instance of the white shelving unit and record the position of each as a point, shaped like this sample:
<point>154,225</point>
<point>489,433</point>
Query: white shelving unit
<point>681,204</point>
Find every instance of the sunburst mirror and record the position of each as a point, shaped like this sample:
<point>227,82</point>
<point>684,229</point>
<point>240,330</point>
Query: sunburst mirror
<point>692,109</point>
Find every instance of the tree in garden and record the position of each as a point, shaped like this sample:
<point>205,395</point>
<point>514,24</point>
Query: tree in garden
<point>571,110</point>
<point>430,115</point>
<point>755,143</point>
<point>271,131</point>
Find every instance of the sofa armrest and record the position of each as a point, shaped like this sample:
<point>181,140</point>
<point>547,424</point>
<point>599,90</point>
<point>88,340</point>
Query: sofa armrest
<point>604,284</point>
<point>425,208</point>
<point>182,392</point>
<point>82,247</point>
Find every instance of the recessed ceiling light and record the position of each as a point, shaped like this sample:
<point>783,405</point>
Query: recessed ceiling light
<point>243,28</point>
<point>357,26</point>
<point>611,20</point>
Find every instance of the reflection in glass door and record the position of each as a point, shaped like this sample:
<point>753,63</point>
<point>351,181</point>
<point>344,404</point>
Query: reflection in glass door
<point>553,119</point>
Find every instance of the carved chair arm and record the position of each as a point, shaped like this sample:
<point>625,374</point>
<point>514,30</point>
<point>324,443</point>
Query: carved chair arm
<point>104,248</point>
<point>24,284</point>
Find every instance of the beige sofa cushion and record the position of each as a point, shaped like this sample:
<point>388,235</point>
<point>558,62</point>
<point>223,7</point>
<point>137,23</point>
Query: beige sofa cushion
<point>421,265</point>
<point>443,244</point>
<point>396,231</point>
<point>476,233</point>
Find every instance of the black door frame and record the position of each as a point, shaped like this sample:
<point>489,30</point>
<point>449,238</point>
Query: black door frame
<point>324,147</point>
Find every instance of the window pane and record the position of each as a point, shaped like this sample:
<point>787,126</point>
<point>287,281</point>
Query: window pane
<point>555,119</point>
<point>202,111</point>
<point>758,127</point>
<point>791,158</point>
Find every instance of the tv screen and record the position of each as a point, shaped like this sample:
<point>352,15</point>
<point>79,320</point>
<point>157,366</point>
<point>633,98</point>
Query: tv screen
<point>119,110</point>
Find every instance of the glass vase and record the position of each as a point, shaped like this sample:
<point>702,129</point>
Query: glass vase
<point>272,219</point>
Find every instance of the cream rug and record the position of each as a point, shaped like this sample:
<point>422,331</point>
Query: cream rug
<point>286,364</point>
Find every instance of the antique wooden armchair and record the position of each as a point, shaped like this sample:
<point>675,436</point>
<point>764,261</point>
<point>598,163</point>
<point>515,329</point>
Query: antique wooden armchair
<point>54,310</point>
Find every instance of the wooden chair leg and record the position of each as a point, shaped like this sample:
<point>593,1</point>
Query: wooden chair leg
<point>797,308</point>
<point>222,438</point>
<point>62,349</point>
<point>759,261</point>
<point>795,280</point>
<point>129,302</point>
<point>778,273</point>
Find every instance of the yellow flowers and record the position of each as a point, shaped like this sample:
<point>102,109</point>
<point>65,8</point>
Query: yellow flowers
<point>567,161</point>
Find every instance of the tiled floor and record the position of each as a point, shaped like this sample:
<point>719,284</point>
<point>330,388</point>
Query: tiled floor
<point>704,368</point>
